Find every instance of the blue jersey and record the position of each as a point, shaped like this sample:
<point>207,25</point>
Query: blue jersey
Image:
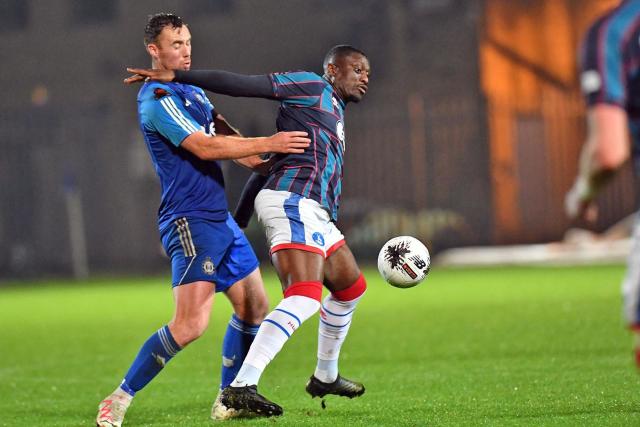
<point>611,64</point>
<point>309,103</point>
<point>191,187</point>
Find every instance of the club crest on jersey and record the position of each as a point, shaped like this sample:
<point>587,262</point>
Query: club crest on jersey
<point>340,131</point>
<point>159,93</point>
<point>208,267</point>
<point>318,238</point>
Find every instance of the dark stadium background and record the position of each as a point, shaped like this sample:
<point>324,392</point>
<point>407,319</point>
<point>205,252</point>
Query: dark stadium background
<point>469,134</point>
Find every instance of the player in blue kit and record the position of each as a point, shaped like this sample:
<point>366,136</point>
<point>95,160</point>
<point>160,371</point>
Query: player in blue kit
<point>298,206</point>
<point>610,81</point>
<point>186,136</point>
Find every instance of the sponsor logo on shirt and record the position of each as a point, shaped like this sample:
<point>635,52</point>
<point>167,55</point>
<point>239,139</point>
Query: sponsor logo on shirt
<point>340,132</point>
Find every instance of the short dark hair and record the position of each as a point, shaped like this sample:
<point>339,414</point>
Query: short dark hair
<point>339,51</point>
<point>157,22</point>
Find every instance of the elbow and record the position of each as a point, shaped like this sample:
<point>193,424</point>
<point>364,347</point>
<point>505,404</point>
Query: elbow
<point>201,153</point>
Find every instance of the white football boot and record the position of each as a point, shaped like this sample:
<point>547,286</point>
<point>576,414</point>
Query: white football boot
<point>220,412</point>
<point>112,409</point>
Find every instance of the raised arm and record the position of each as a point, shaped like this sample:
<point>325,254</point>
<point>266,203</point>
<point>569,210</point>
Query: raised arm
<point>222,82</point>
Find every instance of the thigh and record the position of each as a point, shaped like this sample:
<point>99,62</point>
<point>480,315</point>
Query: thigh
<point>340,269</point>
<point>248,298</point>
<point>295,266</point>
<point>193,302</point>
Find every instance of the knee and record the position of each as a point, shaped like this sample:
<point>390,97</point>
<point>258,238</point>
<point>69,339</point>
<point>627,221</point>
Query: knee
<point>188,330</point>
<point>254,310</point>
<point>352,292</point>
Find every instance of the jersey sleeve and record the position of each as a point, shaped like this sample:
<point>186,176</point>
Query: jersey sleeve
<point>300,87</point>
<point>603,78</point>
<point>165,113</point>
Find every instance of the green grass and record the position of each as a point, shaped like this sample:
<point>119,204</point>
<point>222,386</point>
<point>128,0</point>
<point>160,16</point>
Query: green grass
<point>489,347</point>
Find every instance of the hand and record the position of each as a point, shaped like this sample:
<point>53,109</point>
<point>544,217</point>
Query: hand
<point>577,205</point>
<point>288,142</point>
<point>141,75</point>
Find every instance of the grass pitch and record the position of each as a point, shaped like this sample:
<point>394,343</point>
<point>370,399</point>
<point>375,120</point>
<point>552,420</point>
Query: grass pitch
<point>494,347</point>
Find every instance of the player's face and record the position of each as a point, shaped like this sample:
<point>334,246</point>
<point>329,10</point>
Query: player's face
<point>172,49</point>
<point>351,77</point>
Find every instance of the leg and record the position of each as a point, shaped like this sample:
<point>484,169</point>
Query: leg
<point>193,306</point>
<point>249,301</point>
<point>346,283</point>
<point>631,291</point>
<point>300,272</point>
<point>239,278</point>
<point>250,305</point>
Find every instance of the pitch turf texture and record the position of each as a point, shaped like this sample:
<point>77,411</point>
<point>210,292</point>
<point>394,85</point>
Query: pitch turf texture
<point>494,347</point>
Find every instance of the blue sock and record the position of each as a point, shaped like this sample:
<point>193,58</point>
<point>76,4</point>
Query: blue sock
<point>235,346</point>
<point>154,354</point>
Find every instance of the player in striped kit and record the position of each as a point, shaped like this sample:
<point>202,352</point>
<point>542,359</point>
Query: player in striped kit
<point>298,206</point>
<point>610,81</point>
<point>209,253</point>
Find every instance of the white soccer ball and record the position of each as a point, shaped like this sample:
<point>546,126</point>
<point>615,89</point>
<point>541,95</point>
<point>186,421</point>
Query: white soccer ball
<point>404,261</point>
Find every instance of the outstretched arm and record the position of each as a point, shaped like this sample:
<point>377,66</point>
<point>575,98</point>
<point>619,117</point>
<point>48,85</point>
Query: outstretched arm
<point>222,82</point>
<point>221,147</point>
<point>253,162</point>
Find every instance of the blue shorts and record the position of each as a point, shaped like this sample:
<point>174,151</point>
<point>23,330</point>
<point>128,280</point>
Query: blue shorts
<point>211,251</point>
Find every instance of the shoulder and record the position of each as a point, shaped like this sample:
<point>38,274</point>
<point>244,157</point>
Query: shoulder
<point>614,26</point>
<point>157,101</point>
<point>155,91</point>
<point>298,77</point>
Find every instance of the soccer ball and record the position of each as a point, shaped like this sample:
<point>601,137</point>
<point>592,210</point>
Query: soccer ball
<point>404,261</point>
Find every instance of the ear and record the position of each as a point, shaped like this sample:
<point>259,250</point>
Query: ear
<point>332,70</point>
<point>153,50</point>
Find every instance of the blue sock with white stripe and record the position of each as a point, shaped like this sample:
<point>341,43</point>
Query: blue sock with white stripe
<point>154,354</point>
<point>274,331</point>
<point>235,346</point>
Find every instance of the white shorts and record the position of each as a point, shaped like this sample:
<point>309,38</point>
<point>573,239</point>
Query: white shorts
<point>292,221</point>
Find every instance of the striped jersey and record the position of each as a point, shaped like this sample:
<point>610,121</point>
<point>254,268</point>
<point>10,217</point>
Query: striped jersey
<point>309,103</point>
<point>191,187</point>
<point>610,64</point>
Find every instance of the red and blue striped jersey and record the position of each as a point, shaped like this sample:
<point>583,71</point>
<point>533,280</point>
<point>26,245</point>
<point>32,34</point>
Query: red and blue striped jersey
<point>309,103</point>
<point>610,64</point>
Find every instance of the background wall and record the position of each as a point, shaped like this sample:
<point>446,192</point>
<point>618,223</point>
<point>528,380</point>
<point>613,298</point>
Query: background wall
<point>425,149</point>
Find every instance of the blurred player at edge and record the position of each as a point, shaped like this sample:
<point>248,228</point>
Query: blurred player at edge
<point>298,207</point>
<point>610,81</point>
<point>208,252</point>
